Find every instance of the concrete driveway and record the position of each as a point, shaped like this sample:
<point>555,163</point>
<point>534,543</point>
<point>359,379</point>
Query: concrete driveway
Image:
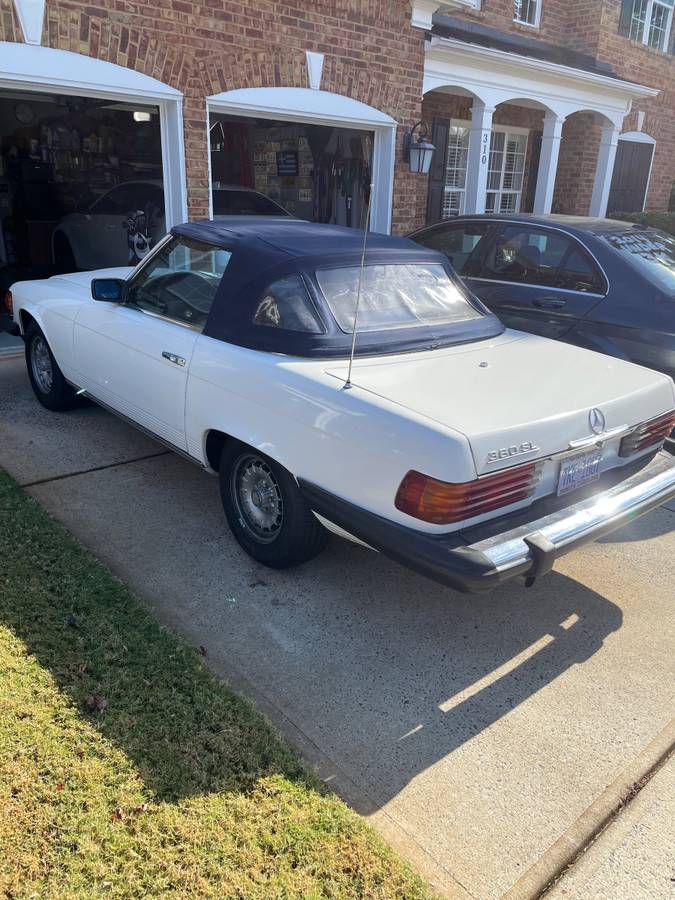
<point>475,732</point>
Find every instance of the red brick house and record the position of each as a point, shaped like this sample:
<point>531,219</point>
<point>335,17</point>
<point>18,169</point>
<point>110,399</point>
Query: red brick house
<point>193,107</point>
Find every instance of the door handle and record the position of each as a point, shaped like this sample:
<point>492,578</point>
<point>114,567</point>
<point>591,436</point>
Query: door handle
<point>549,303</point>
<point>177,360</point>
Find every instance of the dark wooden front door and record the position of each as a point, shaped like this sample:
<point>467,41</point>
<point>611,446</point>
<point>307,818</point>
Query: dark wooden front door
<point>631,174</point>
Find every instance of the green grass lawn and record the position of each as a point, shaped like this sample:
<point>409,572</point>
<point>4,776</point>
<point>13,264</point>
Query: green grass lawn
<point>128,770</point>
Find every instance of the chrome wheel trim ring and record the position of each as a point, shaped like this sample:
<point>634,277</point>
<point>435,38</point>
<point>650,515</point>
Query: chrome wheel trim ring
<point>41,364</point>
<point>257,496</point>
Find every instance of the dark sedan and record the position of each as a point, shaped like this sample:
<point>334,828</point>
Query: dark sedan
<point>597,283</point>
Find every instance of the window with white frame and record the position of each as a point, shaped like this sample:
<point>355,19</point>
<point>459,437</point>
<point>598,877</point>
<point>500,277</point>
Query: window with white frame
<point>454,191</point>
<point>527,12</point>
<point>506,170</point>
<point>650,21</point>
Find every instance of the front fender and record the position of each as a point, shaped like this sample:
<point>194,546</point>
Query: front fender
<point>23,311</point>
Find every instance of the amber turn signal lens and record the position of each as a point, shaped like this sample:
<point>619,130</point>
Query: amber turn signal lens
<point>443,502</point>
<point>8,302</point>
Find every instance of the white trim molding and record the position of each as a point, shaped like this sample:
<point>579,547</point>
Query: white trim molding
<point>312,106</point>
<point>537,14</point>
<point>639,136</point>
<point>314,69</point>
<point>496,76</point>
<point>423,11</point>
<point>31,15</point>
<point>48,70</point>
<point>492,77</point>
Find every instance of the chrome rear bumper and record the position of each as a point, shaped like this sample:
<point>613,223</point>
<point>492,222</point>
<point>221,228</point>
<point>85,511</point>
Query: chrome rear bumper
<point>529,550</point>
<point>585,521</point>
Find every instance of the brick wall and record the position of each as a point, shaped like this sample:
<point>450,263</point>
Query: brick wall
<point>592,27</point>
<point>371,54</point>
<point>635,62</point>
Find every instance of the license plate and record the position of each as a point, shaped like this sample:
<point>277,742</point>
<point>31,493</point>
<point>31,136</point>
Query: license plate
<point>579,470</point>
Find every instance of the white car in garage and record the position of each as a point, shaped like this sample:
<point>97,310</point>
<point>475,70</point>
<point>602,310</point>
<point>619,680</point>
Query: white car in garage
<point>128,220</point>
<point>461,449</point>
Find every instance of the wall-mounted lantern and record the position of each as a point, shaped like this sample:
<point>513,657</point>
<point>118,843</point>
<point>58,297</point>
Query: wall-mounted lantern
<point>417,150</point>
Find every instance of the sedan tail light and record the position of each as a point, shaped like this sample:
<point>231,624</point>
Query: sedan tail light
<point>648,434</point>
<point>442,502</point>
<point>8,302</point>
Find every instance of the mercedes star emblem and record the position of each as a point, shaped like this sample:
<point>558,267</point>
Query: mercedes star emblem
<point>596,420</point>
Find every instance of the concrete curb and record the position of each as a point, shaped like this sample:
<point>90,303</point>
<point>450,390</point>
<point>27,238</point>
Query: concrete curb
<point>590,823</point>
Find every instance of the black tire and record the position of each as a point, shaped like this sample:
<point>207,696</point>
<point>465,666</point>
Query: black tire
<point>64,258</point>
<point>47,381</point>
<point>274,526</point>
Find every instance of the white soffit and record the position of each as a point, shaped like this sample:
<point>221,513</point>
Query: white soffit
<point>496,76</point>
<point>31,15</point>
<point>74,73</point>
<point>299,104</point>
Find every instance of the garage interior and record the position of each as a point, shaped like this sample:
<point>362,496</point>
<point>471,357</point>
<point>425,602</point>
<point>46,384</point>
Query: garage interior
<point>58,156</point>
<point>63,159</point>
<point>315,172</point>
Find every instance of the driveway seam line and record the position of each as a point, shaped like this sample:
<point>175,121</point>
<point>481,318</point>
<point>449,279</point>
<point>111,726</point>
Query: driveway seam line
<point>565,851</point>
<point>124,462</point>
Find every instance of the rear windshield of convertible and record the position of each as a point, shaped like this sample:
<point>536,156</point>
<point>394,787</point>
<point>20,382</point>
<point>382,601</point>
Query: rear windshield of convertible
<point>397,295</point>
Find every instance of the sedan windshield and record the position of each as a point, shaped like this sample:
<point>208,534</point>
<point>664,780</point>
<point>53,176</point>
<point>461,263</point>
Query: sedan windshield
<point>394,296</point>
<point>652,252</point>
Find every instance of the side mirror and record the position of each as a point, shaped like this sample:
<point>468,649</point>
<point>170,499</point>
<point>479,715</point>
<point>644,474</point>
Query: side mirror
<point>110,290</point>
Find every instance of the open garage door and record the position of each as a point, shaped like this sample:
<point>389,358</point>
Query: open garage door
<point>270,167</point>
<point>81,183</point>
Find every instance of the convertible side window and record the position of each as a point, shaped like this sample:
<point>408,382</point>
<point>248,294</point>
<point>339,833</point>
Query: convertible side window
<point>180,281</point>
<point>286,304</point>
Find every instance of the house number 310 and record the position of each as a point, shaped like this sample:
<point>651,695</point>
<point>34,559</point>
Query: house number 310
<point>486,138</point>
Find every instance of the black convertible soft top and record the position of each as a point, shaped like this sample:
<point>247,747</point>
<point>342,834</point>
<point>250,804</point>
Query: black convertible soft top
<point>265,249</point>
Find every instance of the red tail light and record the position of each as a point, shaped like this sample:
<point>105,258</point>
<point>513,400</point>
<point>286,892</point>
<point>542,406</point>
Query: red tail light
<point>441,502</point>
<point>9,303</point>
<point>647,435</point>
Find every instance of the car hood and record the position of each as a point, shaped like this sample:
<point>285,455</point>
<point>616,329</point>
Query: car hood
<point>515,391</point>
<point>84,279</point>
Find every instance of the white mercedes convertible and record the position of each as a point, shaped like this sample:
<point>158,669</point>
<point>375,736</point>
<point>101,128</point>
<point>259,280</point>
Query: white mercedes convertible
<point>468,452</point>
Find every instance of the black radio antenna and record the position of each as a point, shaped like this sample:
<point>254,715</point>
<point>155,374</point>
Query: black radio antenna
<point>348,383</point>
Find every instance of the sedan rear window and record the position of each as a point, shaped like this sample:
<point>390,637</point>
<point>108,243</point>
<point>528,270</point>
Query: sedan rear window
<point>653,252</point>
<point>394,296</point>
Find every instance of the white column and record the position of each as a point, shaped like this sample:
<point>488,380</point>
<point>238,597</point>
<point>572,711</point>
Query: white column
<point>548,163</point>
<point>478,158</point>
<point>604,170</point>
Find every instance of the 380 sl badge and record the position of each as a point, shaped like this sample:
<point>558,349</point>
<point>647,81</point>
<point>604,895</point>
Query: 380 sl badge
<point>513,450</point>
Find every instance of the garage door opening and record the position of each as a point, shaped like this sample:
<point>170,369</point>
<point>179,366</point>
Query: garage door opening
<point>262,166</point>
<point>81,183</point>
